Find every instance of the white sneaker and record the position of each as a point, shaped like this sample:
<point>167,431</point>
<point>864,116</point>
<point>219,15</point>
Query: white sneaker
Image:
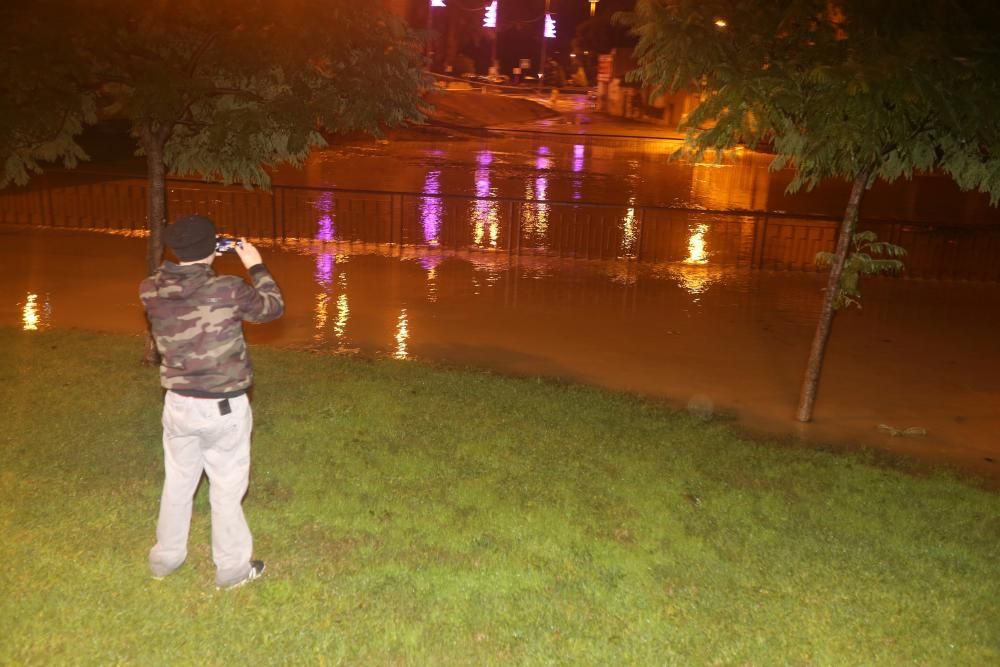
<point>256,569</point>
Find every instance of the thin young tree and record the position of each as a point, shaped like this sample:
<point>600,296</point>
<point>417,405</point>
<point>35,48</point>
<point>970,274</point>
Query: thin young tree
<point>845,89</point>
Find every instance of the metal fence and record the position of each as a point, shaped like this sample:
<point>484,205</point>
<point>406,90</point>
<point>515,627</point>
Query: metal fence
<point>495,224</point>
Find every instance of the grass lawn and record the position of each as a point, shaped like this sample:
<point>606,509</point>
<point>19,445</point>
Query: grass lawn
<point>411,515</point>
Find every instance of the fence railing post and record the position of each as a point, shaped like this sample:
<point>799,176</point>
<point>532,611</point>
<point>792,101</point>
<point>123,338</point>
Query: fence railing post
<point>518,225</point>
<point>51,217</point>
<point>65,202</point>
<point>511,226</point>
<point>396,228</point>
<point>274,212</point>
<point>759,241</point>
<point>281,213</point>
<point>641,235</point>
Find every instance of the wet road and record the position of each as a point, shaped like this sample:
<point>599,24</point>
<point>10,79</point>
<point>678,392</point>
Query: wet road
<point>712,340</point>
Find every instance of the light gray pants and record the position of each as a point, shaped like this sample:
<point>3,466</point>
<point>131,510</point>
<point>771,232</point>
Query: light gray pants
<point>196,438</point>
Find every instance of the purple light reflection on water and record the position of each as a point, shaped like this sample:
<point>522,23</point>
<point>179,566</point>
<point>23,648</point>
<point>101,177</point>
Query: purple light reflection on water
<point>431,208</point>
<point>325,264</point>
<point>429,262</point>
<point>543,162</point>
<point>578,157</point>
<point>484,211</point>
<point>576,182</point>
<point>326,224</point>
<point>541,187</point>
<point>482,182</point>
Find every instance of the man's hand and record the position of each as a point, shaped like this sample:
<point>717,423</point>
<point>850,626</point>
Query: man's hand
<point>249,255</point>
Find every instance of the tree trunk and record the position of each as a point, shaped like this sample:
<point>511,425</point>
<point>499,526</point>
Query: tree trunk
<point>810,384</point>
<point>153,143</point>
<point>157,175</point>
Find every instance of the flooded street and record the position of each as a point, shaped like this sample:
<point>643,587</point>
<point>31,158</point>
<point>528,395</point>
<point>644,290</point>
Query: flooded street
<point>547,252</point>
<point>558,160</point>
<point>725,341</point>
<point>625,170</point>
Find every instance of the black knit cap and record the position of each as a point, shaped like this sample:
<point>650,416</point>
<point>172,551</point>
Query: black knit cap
<point>191,238</point>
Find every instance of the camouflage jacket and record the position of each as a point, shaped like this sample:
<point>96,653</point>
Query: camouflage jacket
<point>197,321</point>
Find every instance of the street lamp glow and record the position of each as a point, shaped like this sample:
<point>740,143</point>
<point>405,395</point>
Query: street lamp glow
<point>490,20</point>
<point>550,26</point>
<point>721,23</point>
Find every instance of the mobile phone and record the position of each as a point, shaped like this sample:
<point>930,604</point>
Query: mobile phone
<point>222,244</point>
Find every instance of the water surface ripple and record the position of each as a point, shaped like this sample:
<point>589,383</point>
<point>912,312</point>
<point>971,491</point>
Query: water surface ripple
<point>715,340</point>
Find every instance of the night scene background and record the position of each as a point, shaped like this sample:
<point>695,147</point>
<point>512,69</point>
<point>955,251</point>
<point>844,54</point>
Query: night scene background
<point>683,353</point>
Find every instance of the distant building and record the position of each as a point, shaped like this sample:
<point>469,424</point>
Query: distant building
<point>620,98</point>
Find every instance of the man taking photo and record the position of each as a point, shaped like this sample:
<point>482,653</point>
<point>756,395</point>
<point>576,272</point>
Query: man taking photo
<point>196,319</point>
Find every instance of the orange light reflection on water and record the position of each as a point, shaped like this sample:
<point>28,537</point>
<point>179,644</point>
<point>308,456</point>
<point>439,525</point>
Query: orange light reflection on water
<point>343,310</point>
<point>324,279</point>
<point>432,284</point>
<point>535,217</point>
<point>629,225</point>
<point>693,274</point>
<point>35,316</point>
<point>402,335</point>
<point>485,217</point>
<point>322,300</point>
<point>697,252</point>
<point>630,231</point>
<point>725,184</point>
<point>29,314</point>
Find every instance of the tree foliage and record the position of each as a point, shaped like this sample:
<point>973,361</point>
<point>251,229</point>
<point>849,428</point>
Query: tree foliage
<point>867,257</point>
<point>226,87</point>
<point>837,87</point>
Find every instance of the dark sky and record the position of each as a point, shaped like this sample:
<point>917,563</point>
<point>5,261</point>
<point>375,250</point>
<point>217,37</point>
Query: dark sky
<point>568,13</point>
<point>521,18</point>
<point>521,23</point>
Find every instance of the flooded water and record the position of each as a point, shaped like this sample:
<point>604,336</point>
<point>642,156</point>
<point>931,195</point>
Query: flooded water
<point>601,169</point>
<point>552,195</point>
<point>720,341</point>
<point>624,171</point>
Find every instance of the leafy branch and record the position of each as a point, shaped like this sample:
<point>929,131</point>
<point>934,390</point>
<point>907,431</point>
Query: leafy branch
<point>863,259</point>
